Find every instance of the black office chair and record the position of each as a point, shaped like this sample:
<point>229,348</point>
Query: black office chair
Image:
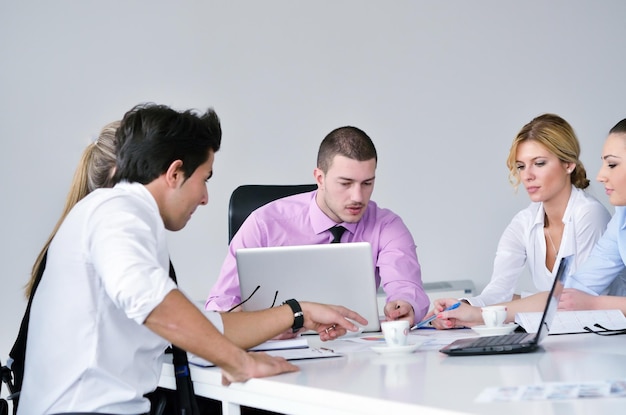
<point>247,198</point>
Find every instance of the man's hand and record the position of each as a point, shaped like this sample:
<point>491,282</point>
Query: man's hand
<point>257,365</point>
<point>330,321</point>
<point>400,310</point>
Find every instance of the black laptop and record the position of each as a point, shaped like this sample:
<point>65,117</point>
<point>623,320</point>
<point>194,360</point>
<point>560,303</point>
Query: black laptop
<point>516,342</point>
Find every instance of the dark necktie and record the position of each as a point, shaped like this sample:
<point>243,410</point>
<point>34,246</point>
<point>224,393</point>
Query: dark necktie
<point>184,385</point>
<point>337,231</point>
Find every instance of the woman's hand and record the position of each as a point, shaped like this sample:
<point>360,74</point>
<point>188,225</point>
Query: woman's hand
<point>463,316</point>
<point>572,299</point>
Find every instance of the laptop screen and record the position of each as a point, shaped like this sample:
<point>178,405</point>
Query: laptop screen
<point>339,274</point>
<point>517,342</point>
<point>553,299</point>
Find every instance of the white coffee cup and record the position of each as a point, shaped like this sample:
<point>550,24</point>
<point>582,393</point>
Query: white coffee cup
<point>494,316</point>
<point>396,332</point>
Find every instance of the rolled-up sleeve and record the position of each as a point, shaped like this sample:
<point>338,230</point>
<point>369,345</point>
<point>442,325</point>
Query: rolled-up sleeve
<point>125,251</point>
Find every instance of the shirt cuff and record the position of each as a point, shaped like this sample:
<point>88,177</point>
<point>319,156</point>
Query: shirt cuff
<point>473,301</point>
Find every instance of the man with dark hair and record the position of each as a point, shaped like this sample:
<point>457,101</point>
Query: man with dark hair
<point>106,308</point>
<point>345,175</point>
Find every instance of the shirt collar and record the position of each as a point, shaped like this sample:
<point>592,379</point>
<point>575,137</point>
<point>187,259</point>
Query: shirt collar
<point>139,190</point>
<point>321,223</point>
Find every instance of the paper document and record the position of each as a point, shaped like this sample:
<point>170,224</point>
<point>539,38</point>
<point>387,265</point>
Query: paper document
<point>567,322</point>
<point>555,391</point>
<point>295,343</point>
<point>289,354</point>
<point>308,353</point>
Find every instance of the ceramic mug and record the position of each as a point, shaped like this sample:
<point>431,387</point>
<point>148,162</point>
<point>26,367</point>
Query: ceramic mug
<point>494,316</point>
<point>396,332</point>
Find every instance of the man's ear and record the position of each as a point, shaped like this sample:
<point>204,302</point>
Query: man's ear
<point>174,176</point>
<point>319,176</point>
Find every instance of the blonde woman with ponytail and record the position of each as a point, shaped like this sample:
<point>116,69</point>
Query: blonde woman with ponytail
<point>95,170</point>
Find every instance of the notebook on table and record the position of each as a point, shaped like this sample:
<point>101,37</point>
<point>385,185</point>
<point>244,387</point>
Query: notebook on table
<point>515,342</point>
<point>340,274</point>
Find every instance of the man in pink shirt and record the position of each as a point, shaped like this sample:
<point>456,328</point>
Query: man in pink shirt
<point>345,175</point>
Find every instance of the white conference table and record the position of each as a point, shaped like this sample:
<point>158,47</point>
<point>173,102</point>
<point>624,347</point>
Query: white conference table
<point>426,381</point>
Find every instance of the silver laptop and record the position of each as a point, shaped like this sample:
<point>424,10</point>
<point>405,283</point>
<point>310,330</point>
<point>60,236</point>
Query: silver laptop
<point>516,342</point>
<point>340,274</point>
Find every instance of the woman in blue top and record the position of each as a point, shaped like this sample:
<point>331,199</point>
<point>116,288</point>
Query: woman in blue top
<point>606,266</point>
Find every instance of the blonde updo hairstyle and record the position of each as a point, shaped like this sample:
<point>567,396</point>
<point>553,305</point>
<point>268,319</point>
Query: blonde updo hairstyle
<point>555,134</point>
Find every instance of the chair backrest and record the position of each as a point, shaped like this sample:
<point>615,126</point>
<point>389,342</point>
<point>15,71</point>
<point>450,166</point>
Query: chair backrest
<point>247,198</point>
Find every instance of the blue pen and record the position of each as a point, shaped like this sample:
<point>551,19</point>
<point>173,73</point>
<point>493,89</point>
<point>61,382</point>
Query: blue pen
<point>434,316</point>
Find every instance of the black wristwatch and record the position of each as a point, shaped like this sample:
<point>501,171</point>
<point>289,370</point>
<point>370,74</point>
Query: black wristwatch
<point>298,315</point>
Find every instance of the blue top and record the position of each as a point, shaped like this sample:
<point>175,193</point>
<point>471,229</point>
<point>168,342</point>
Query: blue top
<point>606,263</point>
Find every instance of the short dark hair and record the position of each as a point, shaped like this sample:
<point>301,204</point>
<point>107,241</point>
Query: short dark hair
<point>151,137</point>
<point>620,127</point>
<point>346,141</point>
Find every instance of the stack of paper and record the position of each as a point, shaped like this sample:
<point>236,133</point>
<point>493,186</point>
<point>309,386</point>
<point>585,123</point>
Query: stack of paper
<point>295,343</point>
<point>568,322</point>
<point>290,349</point>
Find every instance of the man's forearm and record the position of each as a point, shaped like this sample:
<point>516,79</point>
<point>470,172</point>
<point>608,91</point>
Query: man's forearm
<point>177,320</point>
<point>248,329</point>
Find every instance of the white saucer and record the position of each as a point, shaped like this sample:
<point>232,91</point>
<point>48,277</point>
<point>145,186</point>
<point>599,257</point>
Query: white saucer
<point>495,331</point>
<point>398,350</point>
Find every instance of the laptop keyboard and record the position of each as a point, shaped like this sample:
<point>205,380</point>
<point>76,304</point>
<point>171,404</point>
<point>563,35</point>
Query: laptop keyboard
<point>499,340</point>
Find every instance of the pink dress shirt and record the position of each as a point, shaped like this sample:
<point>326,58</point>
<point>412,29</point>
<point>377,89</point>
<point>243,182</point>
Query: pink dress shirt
<point>297,220</point>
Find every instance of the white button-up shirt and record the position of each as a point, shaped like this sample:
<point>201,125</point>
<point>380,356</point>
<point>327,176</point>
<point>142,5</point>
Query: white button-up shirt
<point>523,242</point>
<point>107,269</point>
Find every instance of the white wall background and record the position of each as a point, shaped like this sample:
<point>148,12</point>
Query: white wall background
<point>442,87</point>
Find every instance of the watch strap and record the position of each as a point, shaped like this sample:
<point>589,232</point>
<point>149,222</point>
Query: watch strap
<point>298,315</point>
